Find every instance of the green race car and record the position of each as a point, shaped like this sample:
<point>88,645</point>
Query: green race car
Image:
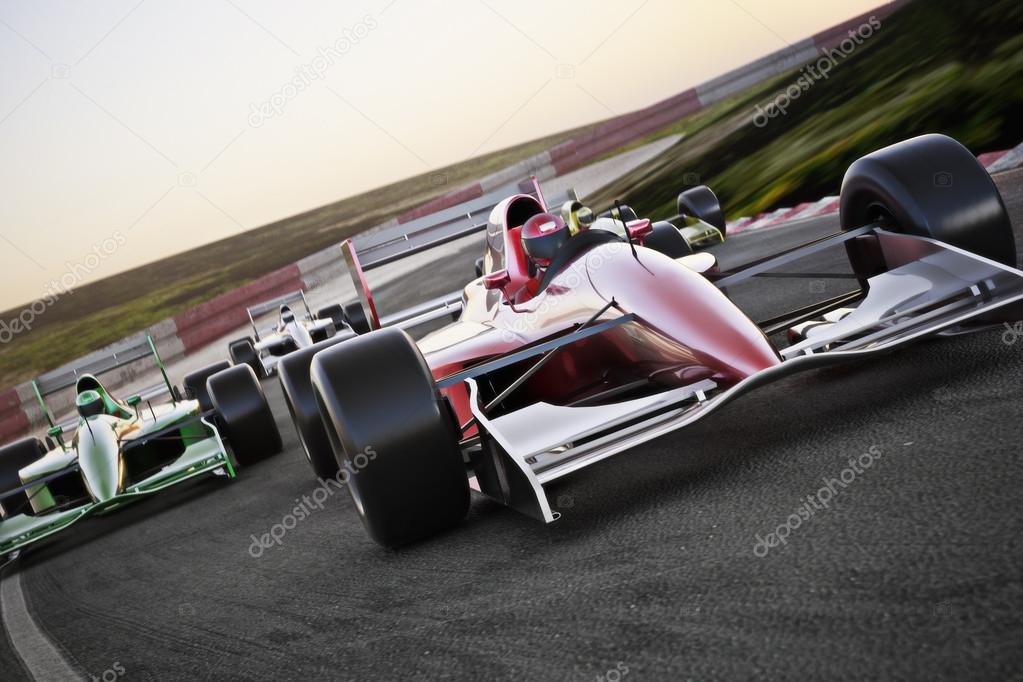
<point>114,452</point>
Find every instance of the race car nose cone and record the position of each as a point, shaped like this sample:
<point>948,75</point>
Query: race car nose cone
<point>98,458</point>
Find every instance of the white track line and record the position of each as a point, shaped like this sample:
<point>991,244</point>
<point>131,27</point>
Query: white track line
<point>43,660</point>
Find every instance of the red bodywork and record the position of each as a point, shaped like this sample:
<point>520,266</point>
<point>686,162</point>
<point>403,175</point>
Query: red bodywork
<point>685,330</point>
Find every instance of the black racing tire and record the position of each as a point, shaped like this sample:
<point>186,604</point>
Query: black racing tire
<point>195,384</point>
<point>335,313</point>
<point>243,413</point>
<point>356,317</point>
<point>13,458</point>
<point>243,352</point>
<point>929,186</point>
<point>667,239</point>
<point>392,430</point>
<point>701,202</point>
<point>297,386</point>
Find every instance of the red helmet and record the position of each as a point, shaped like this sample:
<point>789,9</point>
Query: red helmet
<point>542,236</point>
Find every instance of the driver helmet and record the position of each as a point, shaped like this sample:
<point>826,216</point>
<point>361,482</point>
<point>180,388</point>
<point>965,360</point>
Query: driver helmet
<point>89,404</point>
<point>578,216</point>
<point>287,317</point>
<point>542,236</point>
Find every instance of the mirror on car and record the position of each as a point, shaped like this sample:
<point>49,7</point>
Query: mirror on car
<point>496,280</point>
<point>639,229</point>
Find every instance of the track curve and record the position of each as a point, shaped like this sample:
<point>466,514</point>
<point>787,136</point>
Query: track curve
<point>912,570</point>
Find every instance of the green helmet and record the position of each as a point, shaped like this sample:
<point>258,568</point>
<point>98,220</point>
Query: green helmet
<point>90,403</point>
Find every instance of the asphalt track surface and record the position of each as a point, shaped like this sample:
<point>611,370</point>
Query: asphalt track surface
<point>913,571</point>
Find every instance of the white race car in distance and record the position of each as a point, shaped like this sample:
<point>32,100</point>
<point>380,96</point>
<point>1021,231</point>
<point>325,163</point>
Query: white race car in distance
<point>292,332</point>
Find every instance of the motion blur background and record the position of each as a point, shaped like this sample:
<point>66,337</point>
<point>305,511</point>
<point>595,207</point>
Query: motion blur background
<point>137,130</point>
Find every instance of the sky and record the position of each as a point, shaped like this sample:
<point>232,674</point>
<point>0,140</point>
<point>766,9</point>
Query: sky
<point>133,130</point>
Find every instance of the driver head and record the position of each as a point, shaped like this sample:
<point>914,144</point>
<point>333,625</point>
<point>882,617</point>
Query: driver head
<point>287,317</point>
<point>542,236</point>
<point>89,403</point>
<point>578,217</point>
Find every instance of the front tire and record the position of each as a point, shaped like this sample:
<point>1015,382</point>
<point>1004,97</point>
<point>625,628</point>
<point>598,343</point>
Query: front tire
<point>243,352</point>
<point>195,384</point>
<point>297,386</point>
<point>13,458</point>
<point>701,203</point>
<point>357,320</point>
<point>243,412</point>
<point>928,186</point>
<point>335,313</point>
<point>389,425</point>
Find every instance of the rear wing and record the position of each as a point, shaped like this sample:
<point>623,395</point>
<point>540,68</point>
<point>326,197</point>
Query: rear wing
<point>370,251</point>
<point>97,365</point>
<point>388,245</point>
<point>265,307</point>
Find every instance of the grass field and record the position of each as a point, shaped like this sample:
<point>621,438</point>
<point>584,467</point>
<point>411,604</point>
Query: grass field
<point>938,66</point>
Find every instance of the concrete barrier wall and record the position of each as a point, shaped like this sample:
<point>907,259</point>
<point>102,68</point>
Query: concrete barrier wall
<point>14,422</point>
<point>216,317</point>
<point>194,329</point>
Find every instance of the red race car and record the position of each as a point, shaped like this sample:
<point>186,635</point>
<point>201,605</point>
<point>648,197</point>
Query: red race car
<point>580,342</point>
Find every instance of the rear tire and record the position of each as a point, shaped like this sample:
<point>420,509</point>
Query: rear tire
<point>297,386</point>
<point>357,319</point>
<point>195,384</point>
<point>928,186</point>
<point>243,412</point>
<point>391,428</point>
<point>335,313</point>
<point>667,239</point>
<point>700,202</point>
<point>243,352</point>
<point>13,458</point>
